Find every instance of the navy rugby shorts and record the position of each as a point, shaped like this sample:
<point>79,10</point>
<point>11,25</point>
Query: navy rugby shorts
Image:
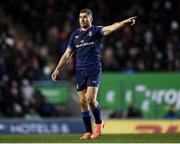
<point>87,77</point>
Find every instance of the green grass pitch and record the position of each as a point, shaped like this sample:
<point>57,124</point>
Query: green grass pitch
<point>106,138</point>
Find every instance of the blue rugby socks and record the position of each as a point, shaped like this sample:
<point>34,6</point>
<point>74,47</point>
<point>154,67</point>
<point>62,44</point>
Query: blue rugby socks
<point>97,114</point>
<point>87,120</point>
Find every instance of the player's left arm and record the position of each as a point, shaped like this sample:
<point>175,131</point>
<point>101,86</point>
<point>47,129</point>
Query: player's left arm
<point>118,25</point>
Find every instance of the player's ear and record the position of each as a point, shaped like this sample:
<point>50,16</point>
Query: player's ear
<point>91,19</point>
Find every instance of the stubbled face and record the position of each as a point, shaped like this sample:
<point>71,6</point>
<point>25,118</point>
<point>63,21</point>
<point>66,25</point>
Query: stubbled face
<point>85,20</point>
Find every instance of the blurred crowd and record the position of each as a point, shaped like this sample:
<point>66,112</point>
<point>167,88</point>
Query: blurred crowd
<point>34,35</point>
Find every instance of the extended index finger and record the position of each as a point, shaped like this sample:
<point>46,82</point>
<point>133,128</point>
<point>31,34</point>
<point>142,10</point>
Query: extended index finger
<point>134,17</point>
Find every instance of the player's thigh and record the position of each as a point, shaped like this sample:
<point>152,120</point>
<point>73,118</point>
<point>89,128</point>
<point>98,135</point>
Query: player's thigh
<point>82,95</point>
<point>91,93</point>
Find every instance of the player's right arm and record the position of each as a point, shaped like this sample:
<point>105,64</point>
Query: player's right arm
<point>63,60</point>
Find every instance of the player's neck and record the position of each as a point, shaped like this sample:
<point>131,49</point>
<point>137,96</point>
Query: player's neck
<point>85,29</point>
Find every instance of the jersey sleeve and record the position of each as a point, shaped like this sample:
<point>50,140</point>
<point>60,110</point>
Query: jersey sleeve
<point>71,43</point>
<point>100,31</point>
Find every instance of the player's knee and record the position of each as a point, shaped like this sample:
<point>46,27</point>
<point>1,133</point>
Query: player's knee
<point>90,101</point>
<point>83,102</point>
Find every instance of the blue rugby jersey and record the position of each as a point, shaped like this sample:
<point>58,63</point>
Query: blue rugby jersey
<point>87,46</point>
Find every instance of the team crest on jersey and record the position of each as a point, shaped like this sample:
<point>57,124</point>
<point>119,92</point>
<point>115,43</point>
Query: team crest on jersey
<point>82,41</point>
<point>89,34</point>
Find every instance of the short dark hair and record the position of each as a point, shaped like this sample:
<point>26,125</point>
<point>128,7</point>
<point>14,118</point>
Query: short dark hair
<point>86,10</point>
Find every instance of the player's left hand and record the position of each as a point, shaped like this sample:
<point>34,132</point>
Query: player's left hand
<point>131,20</point>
